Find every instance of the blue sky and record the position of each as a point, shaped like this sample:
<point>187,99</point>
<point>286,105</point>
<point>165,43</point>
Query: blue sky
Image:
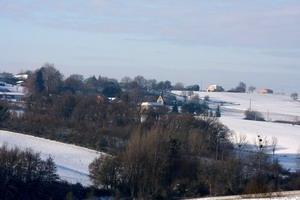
<point>191,41</point>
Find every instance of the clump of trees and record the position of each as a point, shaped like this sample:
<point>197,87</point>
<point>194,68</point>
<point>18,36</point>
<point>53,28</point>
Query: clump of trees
<point>241,88</point>
<point>294,96</point>
<point>162,160</point>
<point>4,111</point>
<point>24,175</point>
<point>254,115</point>
<point>195,108</point>
<point>180,156</point>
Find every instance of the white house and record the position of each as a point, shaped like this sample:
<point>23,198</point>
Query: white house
<point>265,91</point>
<point>146,106</point>
<point>214,88</point>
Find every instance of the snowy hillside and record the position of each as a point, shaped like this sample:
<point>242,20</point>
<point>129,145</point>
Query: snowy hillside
<point>274,107</point>
<point>72,161</point>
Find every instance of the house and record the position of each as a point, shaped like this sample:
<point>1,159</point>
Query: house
<point>147,107</point>
<point>12,96</point>
<point>215,88</point>
<point>21,77</point>
<point>5,87</point>
<point>265,91</point>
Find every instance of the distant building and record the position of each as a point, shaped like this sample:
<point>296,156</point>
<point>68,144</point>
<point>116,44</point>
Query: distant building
<point>21,77</point>
<point>12,96</point>
<point>5,87</point>
<point>265,91</point>
<point>147,107</point>
<point>215,88</point>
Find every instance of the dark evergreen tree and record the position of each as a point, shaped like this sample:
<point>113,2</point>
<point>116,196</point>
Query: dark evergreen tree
<point>218,112</point>
<point>4,111</point>
<point>39,86</point>
<point>175,108</point>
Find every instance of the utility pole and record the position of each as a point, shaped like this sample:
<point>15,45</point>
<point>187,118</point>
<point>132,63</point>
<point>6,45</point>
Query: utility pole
<point>250,105</point>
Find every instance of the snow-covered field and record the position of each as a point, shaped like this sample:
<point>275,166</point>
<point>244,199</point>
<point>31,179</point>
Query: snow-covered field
<point>72,161</point>
<point>273,107</point>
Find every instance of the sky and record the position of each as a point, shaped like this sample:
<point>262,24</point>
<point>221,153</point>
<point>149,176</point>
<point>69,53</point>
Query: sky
<point>191,41</point>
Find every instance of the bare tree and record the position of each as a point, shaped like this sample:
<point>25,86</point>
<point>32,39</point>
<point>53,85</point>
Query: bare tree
<point>126,80</point>
<point>240,140</point>
<point>274,143</point>
<point>251,89</point>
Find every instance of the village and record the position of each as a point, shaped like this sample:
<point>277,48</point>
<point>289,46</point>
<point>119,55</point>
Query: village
<point>107,111</point>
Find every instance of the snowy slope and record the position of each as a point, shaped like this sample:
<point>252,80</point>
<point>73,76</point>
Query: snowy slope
<point>72,161</point>
<point>277,106</point>
<point>274,107</point>
<point>288,137</point>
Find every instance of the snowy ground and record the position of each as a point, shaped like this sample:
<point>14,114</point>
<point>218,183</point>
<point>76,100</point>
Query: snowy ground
<point>273,107</point>
<point>72,161</point>
<point>293,195</point>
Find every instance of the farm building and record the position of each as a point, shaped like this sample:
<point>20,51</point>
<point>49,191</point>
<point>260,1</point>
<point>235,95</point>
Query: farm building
<point>215,88</point>
<point>265,91</point>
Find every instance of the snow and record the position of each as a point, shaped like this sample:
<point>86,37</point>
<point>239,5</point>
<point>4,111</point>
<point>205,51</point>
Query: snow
<point>273,107</point>
<point>72,161</point>
<point>291,195</point>
<point>288,135</point>
<point>267,103</point>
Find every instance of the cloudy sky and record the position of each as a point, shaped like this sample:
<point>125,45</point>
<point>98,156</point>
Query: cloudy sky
<point>192,41</point>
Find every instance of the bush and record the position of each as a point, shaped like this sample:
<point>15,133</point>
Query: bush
<point>294,96</point>
<point>195,108</point>
<point>254,115</point>
<point>4,111</point>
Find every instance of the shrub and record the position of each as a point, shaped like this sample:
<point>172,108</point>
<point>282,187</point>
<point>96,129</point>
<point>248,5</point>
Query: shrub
<point>254,115</point>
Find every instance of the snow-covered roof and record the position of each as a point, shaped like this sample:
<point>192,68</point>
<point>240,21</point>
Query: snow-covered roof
<point>12,93</point>
<point>151,104</point>
<point>21,76</point>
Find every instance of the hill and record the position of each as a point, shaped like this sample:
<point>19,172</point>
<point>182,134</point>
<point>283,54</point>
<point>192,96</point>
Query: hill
<point>72,161</point>
<point>273,107</point>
